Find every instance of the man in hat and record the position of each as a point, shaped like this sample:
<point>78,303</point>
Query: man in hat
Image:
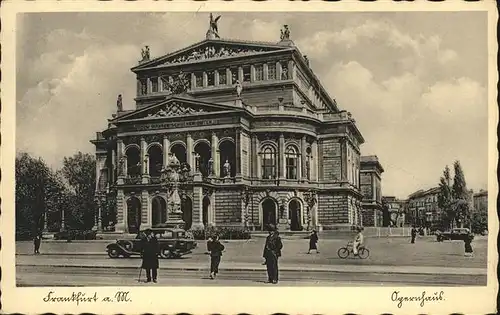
<point>272,251</point>
<point>359,240</point>
<point>150,251</point>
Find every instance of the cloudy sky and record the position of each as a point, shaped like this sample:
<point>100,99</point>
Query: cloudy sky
<point>415,82</point>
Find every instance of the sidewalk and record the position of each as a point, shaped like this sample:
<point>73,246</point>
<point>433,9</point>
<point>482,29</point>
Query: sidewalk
<point>238,266</point>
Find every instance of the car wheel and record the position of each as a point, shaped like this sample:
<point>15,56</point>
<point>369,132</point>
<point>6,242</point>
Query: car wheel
<point>165,253</point>
<point>113,253</point>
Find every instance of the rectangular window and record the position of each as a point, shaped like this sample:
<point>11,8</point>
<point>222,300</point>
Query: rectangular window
<point>222,77</point>
<point>271,71</point>
<point>259,73</point>
<point>199,79</point>
<point>246,73</point>
<point>210,78</point>
<point>154,85</point>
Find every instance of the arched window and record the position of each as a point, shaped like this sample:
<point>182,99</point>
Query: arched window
<point>291,158</point>
<point>268,155</point>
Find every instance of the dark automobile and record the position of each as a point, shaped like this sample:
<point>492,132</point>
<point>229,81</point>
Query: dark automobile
<point>453,234</point>
<point>173,243</point>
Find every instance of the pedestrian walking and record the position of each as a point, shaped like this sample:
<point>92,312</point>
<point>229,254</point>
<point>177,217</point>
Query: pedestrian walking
<point>413,234</point>
<point>468,247</point>
<point>36,243</point>
<point>216,249</point>
<point>272,252</point>
<point>313,242</point>
<point>209,245</point>
<point>150,251</point>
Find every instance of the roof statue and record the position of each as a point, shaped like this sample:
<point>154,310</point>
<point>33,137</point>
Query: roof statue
<point>239,88</point>
<point>285,33</point>
<point>145,54</point>
<point>213,29</point>
<point>119,103</point>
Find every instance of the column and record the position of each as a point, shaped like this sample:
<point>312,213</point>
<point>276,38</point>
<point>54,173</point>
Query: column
<point>303,157</point>
<point>197,207</point>
<point>314,160</point>
<point>121,217</point>
<point>265,71</point>
<point>229,78</point>
<point>193,81</point>
<point>252,73</point>
<point>240,74</point>
<point>205,79</point>
<point>166,150</point>
<point>216,77</point>
<point>215,145</point>
<point>145,213</point>
<point>278,70</point>
<point>343,159</point>
<point>189,151</point>
<point>291,69</point>
<point>281,157</point>
<point>144,162</point>
<point>254,156</point>
<point>120,155</point>
<point>238,152</point>
<point>217,163</point>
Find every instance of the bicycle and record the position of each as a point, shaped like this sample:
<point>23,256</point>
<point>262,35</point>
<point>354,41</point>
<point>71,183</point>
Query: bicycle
<point>345,251</point>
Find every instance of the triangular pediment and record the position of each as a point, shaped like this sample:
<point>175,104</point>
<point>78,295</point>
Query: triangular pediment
<point>212,49</point>
<point>175,107</point>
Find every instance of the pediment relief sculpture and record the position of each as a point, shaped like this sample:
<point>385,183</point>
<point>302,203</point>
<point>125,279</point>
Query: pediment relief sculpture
<point>174,110</point>
<point>213,51</point>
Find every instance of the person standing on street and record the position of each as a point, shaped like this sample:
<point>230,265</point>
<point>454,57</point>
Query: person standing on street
<point>216,250</point>
<point>468,247</point>
<point>36,242</point>
<point>272,251</point>
<point>313,242</point>
<point>150,251</point>
<point>413,234</point>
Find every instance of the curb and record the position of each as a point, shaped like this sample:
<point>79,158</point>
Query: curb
<point>263,269</point>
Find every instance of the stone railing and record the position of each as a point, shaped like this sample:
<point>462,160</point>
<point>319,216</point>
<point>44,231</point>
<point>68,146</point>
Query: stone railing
<point>132,180</point>
<point>286,110</point>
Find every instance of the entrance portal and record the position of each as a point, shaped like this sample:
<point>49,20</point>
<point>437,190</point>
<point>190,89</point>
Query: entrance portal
<point>159,210</point>
<point>133,215</point>
<point>268,213</point>
<point>294,213</point>
<point>206,206</point>
<point>187,213</point>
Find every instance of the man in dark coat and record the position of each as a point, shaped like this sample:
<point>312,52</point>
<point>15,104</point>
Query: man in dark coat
<point>313,242</point>
<point>36,242</point>
<point>216,249</point>
<point>413,234</point>
<point>150,251</point>
<point>272,251</point>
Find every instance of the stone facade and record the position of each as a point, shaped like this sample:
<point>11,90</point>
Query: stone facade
<point>280,153</point>
<point>371,188</point>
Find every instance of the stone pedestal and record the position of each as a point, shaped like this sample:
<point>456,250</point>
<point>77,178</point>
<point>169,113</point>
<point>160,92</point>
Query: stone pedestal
<point>238,102</point>
<point>174,220</point>
<point>283,225</point>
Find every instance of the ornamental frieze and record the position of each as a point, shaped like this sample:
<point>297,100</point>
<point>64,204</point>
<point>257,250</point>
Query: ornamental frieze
<point>153,138</point>
<point>213,52</point>
<point>174,109</point>
<point>180,124</point>
<point>131,140</point>
<point>283,124</point>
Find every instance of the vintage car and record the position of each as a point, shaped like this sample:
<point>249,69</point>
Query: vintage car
<point>453,234</point>
<point>173,243</point>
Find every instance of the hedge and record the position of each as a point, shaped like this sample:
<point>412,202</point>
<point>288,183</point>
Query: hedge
<point>225,233</point>
<point>76,235</point>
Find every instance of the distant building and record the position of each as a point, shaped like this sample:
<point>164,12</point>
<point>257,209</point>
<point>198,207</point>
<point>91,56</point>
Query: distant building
<point>397,210</point>
<point>371,187</point>
<point>423,207</point>
<point>481,201</point>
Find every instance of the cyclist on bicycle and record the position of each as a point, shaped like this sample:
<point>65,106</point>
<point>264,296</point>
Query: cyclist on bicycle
<point>358,240</point>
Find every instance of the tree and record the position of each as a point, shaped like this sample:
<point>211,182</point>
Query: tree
<point>479,222</point>
<point>460,195</point>
<point>33,177</point>
<point>445,197</point>
<point>79,171</point>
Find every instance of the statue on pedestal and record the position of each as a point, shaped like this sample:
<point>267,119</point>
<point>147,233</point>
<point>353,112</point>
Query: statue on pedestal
<point>227,169</point>
<point>239,88</point>
<point>121,167</point>
<point>210,166</point>
<point>213,29</point>
<point>197,162</point>
<point>285,33</point>
<point>119,103</point>
<point>145,53</point>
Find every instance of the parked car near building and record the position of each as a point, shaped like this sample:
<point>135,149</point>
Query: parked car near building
<point>173,243</point>
<point>453,234</point>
